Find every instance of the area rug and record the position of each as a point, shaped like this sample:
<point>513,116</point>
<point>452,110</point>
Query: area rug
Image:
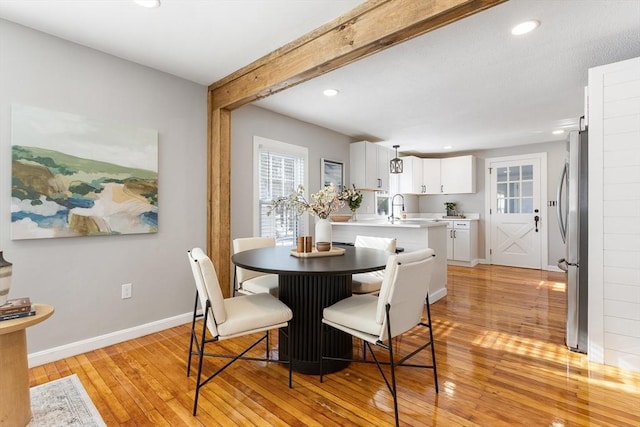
<point>63,402</point>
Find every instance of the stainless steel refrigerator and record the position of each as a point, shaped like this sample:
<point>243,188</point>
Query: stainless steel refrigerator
<point>573,219</point>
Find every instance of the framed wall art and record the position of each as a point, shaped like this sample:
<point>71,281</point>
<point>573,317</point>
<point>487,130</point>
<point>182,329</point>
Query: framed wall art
<point>77,176</point>
<point>332,172</point>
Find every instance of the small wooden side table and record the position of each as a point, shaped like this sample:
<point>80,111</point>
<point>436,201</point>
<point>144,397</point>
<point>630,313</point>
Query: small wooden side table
<point>15,400</point>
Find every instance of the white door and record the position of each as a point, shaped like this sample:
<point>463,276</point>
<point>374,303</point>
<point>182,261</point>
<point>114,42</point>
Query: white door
<point>516,223</point>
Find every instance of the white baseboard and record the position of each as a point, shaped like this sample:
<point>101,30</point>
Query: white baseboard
<point>53,354</point>
<point>547,268</point>
<point>439,294</point>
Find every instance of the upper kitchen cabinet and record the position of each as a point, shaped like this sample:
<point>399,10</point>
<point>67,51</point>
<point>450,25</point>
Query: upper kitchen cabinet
<point>453,175</point>
<point>411,179</point>
<point>369,166</point>
<point>458,175</point>
<point>431,176</point>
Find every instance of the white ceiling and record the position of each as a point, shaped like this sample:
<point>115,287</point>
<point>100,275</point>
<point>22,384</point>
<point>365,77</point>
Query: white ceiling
<point>470,85</point>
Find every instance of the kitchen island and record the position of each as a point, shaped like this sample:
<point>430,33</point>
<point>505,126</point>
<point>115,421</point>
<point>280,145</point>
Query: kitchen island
<point>411,235</point>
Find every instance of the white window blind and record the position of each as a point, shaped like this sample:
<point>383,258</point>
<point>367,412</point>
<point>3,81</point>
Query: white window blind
<point>281,168</point>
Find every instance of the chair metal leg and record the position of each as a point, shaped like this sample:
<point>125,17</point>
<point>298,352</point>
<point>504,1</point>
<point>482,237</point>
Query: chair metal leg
<point>433,347</point>
<point>290,359</point>
<point>322,327</point>
<point>394,389</point>
<point>268,347</point>
<point>201,356</point>
<point>193,328</point>
<point>235,280</point>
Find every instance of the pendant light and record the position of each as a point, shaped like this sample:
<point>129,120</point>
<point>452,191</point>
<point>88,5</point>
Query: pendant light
<point>396,163</point>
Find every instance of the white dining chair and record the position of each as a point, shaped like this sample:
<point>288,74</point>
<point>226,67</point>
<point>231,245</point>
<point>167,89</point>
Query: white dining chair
<point>249,282</point>
<point>370,283</point>
<point>397,309</point>
<point>230,318</point>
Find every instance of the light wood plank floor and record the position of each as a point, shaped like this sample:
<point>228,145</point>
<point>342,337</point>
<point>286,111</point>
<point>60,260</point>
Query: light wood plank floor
<point>500,353</point>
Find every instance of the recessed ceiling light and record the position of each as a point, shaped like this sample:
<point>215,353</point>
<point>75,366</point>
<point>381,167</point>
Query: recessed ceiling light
<point>558,132</point>
<point>525,27</point>
<point>151,4</point>
<point>448,147</point>
<point>330,92</point>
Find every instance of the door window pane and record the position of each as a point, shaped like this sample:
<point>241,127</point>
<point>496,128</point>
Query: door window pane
<point>514,173</point>
<point>514,205</point>
<point>502,174</point>
<point>527,189</point>
<point>527,205</point>
<point>514,189</point>
<point>502,190</point>
<point>527,172</point>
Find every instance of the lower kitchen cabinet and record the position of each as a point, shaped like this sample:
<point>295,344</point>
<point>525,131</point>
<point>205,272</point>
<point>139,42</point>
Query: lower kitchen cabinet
<point>462,242</point>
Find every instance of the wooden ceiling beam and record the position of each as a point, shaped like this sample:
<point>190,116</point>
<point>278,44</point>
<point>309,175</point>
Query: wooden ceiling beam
<point>367,29</point>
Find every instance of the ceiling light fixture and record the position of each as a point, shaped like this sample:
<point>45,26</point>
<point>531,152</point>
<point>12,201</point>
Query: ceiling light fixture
<point>396,163</point>
<point>525,27</point>
<point>447,147</point>
<point>330,92</point>
<point>558,132</point>
<point>151,4</point>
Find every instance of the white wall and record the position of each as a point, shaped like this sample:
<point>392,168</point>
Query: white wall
<point>81,277</point>
<point>614,214</point>
<point>556,155</point>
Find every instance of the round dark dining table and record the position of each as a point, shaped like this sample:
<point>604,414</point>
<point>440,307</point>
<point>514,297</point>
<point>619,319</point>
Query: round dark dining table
<point>307,286</point>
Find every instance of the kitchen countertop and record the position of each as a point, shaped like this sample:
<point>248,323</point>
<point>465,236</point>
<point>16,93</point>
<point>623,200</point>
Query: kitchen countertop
<point>403,223</point>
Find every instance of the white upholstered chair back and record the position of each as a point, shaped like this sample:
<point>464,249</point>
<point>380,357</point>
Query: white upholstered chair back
<point>248,243</point>
<point>405,287</point>
<point>382,243</point>
<point>204,274</point>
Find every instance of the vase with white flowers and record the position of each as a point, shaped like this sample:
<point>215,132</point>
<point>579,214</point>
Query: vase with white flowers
<point>322,204</point>
<point>353,199</point>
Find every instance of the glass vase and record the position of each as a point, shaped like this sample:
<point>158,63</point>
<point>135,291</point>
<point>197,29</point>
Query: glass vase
<point>354,215</point>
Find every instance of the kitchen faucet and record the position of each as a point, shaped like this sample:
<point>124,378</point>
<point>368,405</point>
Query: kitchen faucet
<point>393,204</point>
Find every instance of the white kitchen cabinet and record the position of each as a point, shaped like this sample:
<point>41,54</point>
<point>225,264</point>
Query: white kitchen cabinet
<point>431,176</point>
<point>462,242</point>
<point>411,179</point>
<point>369,166</point>
<point>451,175</point>
<point>458,175</point>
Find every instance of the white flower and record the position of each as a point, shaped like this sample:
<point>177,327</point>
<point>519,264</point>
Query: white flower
<point>323,203</point>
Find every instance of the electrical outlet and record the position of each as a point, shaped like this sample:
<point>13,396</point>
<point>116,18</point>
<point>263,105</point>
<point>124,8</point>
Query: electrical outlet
<point>126,290</point>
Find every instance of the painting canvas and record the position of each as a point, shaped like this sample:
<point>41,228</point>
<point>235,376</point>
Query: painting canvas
<point>76,176</point>
<point>332,173</point>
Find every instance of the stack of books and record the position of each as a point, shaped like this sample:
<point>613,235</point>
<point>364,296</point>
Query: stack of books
<point>16,308</point>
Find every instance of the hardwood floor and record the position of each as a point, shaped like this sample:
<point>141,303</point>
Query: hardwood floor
<point>501,362</point>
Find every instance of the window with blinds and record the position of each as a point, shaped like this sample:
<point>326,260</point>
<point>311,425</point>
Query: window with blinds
<point>281,168</point>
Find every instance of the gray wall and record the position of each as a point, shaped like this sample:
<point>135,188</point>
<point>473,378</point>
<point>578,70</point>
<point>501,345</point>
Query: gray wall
<point>556,155</point>
<point>81,277</point>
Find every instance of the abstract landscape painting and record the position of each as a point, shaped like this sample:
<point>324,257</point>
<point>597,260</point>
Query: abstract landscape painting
<point>76,176</point>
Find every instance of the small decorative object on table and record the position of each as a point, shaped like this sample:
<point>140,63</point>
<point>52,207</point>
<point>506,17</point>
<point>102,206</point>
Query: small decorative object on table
<point>451,208</point>
<point>323,246</point>
<point>5,279</point>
